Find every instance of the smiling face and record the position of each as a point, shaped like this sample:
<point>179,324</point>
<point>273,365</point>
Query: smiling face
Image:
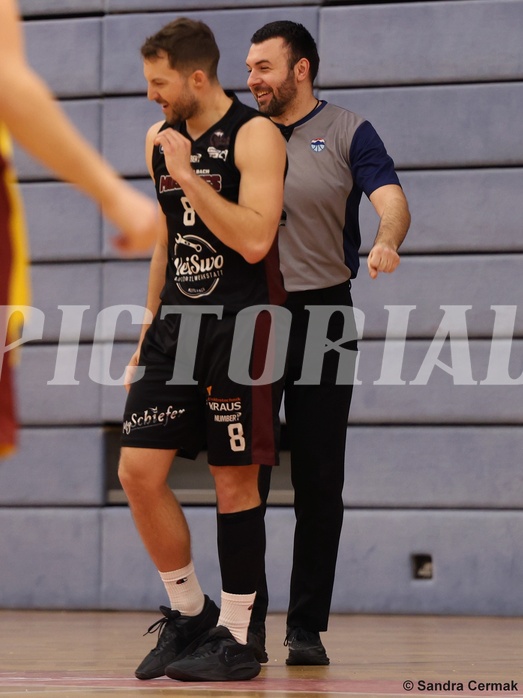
<point>171,89</point>
<point>271,80</point>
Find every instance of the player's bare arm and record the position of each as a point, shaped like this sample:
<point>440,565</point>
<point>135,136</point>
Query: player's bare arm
<point>157,266</point>
<point>159,256</point>
<point>392,208</point>
<point>156,273</point>
<point>248,227</point>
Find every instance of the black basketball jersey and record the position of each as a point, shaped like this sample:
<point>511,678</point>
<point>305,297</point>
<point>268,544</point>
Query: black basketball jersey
<point>201,269</point>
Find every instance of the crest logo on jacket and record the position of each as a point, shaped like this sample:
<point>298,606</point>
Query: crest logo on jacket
<point>318,144</point>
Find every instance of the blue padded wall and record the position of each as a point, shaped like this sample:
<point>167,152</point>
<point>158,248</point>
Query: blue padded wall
<point>55,388</point>
<point>474,568</point>
<point>439,467</point>
<point>67,469</point>
<point>81,38</point>
<point>42,8</point>
<point>420,43</point>
<point>443,126</point>
<point>435,432</point>
<point>71,222</point>
<point>481,212</point>
<point>50,557</point>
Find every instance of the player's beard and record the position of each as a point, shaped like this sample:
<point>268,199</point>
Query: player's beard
<point>285,95</point>
<point>185,108</point>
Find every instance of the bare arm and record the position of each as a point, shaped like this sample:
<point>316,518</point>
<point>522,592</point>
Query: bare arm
<point>159,257</point>
<point>156,275</point>
<point>248,227</point>
<point>156,268</point>
<point>59,146</point>
<point>392,208</point>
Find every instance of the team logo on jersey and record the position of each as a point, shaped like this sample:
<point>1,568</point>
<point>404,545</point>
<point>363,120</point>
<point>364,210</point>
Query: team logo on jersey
<point>318,144</point>
<point>198,266</point>
<point>168,183</point>
<point>218,145</point>
<point>216,153</point>
<point>219,140</point>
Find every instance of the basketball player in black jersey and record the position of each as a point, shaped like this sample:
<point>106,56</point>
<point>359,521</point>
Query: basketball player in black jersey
<point>218,168</point>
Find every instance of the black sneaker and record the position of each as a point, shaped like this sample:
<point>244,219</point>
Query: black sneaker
<point>305,648</point>
<point>256,639</point>
<point>175,634</point>
<point>216,656</point>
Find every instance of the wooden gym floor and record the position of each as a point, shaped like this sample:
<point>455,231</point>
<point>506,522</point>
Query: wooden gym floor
<point>63,653</point>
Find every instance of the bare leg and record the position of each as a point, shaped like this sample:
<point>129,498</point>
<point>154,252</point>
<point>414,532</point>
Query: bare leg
<point>157,514</point>
<point>236,487</point>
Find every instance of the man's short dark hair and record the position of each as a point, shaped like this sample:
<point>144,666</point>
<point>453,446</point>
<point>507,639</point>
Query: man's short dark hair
<point>189,46</point>
<point>298,39</point>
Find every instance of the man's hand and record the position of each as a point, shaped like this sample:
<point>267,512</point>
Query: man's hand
<point>177,153</point>
<point>382,258</point>
<point>130,370</point>
<point>135,216</point>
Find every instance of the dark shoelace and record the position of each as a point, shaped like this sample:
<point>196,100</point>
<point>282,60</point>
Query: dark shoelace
<point>159,625</point>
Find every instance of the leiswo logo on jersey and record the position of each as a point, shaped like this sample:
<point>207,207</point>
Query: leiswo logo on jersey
<point>198,266</point>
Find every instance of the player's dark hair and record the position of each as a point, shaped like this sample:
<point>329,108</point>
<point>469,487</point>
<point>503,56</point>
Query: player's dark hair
<point>189,45</point>
<point>298,39</point>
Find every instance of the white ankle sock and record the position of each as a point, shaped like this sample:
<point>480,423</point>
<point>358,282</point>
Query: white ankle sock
<point>235,614</point>
<point>184,590</point>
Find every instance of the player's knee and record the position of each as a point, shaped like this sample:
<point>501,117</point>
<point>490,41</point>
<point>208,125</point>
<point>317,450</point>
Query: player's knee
<point>236,488</point>
<point>132,473</point>
<point>126,474</point>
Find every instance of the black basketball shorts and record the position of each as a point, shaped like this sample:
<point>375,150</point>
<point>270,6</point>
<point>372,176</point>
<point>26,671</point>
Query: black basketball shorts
<point>238,424</point>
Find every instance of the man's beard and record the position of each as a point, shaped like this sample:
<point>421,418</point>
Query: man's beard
<point>286,94</point>
<point>182,111</point>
